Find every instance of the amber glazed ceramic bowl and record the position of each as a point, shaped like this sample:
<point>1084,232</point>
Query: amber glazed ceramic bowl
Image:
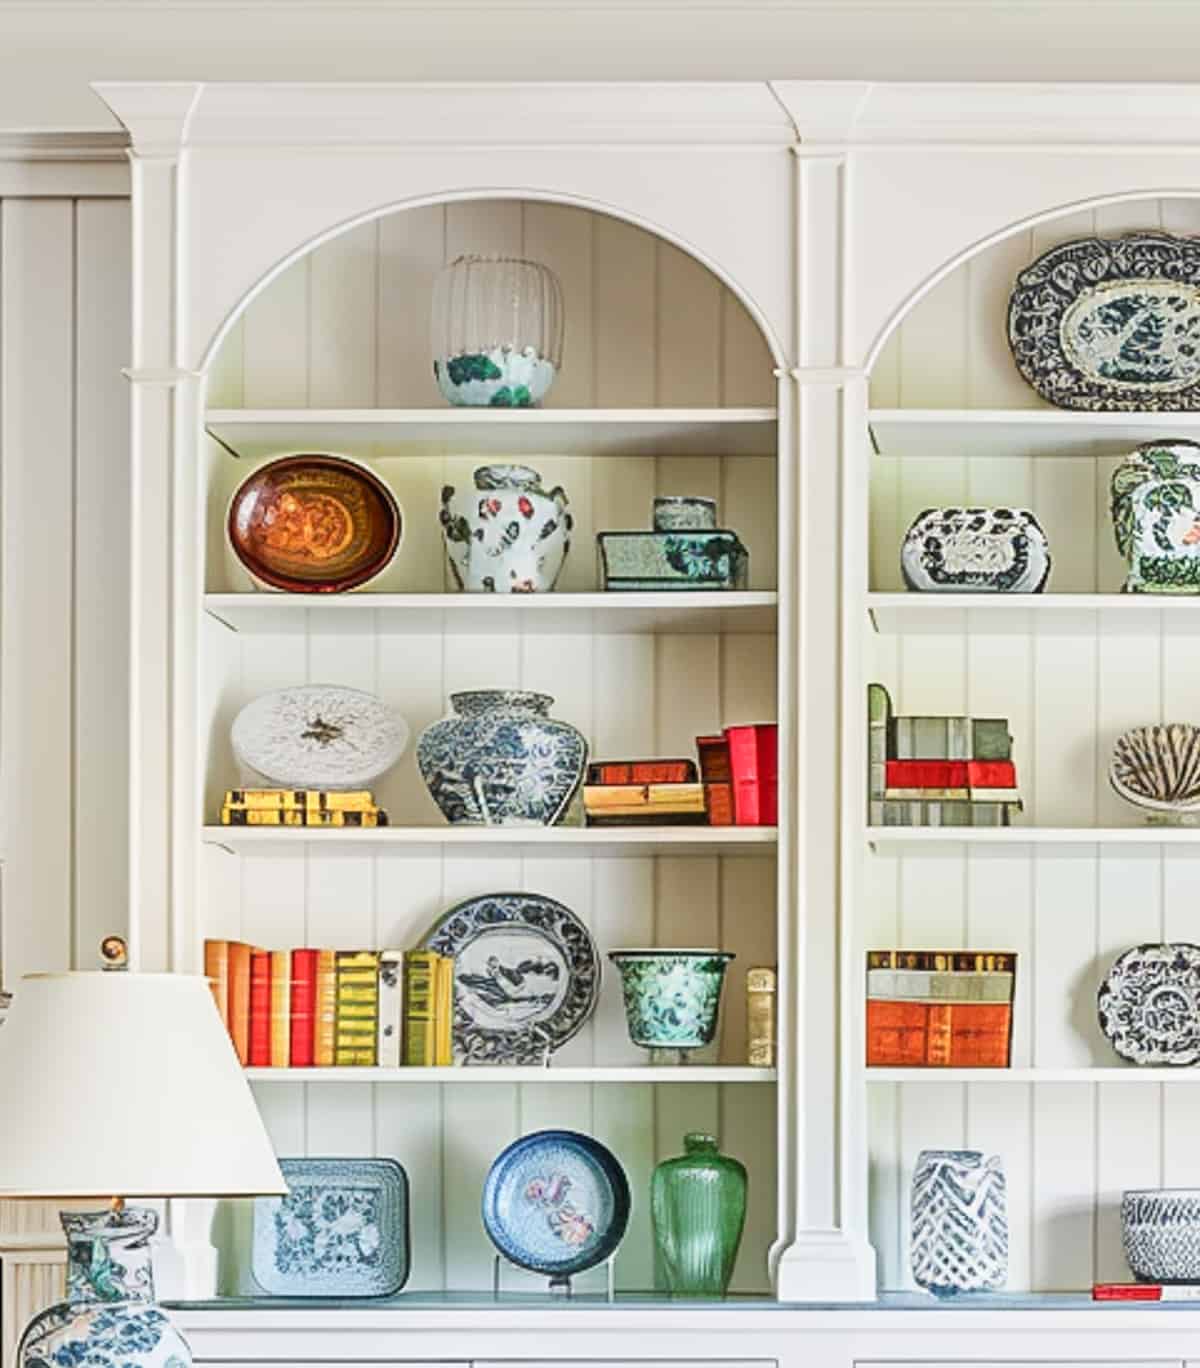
<point>313,524</point>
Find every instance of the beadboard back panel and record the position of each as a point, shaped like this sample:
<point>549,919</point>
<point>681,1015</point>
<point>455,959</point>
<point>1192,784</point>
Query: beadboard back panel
<point>645,326</point>
<point>64,614</point>
<point>1069,1149</point>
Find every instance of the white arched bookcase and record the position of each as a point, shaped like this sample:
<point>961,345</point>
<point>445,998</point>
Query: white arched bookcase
<point>790,295</point>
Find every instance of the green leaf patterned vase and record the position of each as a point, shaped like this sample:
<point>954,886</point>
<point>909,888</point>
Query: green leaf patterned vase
<point>671,996</point>
<point>698,1204</point>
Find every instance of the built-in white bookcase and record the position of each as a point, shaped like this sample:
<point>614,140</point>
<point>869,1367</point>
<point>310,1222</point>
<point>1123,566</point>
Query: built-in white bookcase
<point>666,387</point>
<point>953,422</point>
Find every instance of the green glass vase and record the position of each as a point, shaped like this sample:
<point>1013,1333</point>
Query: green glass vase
<point>698,1204</point>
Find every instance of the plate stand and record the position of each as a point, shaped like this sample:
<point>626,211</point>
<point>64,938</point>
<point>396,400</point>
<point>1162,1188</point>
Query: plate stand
<point>559,1287</point>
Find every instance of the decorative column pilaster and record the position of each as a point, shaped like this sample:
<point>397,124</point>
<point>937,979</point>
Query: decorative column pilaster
<point>828,1256</point>
<point>165,405</point>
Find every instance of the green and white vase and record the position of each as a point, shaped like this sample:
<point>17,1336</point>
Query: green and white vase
<point>698,1205</point>
<point>672,997</point>
<point>109,1319</point>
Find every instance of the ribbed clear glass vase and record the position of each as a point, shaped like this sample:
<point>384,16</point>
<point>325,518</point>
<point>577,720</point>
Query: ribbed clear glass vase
<point>497,331</point>
<point>698,1204</point>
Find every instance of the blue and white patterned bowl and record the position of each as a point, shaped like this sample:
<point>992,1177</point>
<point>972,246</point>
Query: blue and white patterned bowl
<point>556,1202</point>
<point>1160,1228</point>
<point>671,996</point>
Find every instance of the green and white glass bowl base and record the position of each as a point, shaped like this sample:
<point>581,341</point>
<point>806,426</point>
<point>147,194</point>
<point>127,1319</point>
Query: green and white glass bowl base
<point>672,998</point>
<point>497,331</point>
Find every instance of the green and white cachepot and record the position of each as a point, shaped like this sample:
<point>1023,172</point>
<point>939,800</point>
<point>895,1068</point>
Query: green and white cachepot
<point>672,996</point>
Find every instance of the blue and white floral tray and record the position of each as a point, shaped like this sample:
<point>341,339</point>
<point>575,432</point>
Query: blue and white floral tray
<point>342,1230</point>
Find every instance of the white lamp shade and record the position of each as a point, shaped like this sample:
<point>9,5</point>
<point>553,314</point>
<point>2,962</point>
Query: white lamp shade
<point>126,1085</point>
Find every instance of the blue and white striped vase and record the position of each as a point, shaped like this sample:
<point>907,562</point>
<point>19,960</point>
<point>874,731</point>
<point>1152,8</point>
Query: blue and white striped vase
<point>959,1240</point>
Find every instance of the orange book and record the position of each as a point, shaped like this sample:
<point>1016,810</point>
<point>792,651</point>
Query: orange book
<point>962,1035</point>
<point>281,1008</point>
<point>239,999</point>
<point>216,970</point>
<point>325,1013</point>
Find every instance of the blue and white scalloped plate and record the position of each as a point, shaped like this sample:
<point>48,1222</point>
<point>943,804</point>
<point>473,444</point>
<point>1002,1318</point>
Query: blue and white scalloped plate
<point>341,1231</point>
<point>556,1202</point>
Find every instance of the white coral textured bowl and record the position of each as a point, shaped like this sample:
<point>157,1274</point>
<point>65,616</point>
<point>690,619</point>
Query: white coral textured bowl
<point>1160,1228</point>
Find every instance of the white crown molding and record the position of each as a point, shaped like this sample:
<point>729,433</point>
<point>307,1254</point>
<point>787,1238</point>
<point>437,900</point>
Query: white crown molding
<point>889,114</point>
<point>47,165</point>
<point>315,114</point>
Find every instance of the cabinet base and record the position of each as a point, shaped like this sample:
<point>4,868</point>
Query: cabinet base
<point>826,1266</point>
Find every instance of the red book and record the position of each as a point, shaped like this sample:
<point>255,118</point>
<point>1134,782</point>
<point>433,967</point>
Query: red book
<point>1150,1292</point>
<point>239,999</point>
<point>304,1006</point>
<point>260,1009</point>
<point>718,804</point>
<point>991,774</point>
<point>754,765</point>
<point>714,759</point>
<point>930,774</point>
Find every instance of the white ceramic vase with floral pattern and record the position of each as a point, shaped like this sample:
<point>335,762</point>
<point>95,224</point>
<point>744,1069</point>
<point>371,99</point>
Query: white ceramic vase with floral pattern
<point>507,535</point>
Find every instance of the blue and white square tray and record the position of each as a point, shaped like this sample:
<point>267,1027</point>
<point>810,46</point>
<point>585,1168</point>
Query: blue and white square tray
<point>342,1230</point>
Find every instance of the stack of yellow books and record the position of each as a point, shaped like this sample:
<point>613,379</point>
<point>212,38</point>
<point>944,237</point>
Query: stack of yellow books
<point>301,807</point>
<point>428,1008</point>
<point>652,804</point>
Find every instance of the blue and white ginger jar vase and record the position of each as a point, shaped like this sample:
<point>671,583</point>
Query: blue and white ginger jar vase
<point>109,1319</point>
<point>502,760</point>
<point>959,1239</point>
<point>507,535</point>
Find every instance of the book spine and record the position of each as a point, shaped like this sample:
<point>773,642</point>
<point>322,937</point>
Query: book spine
<point>658,797</point>
<point>239,999</point>
<point>281,1008</point>
<point>357,1021</point>
<point>753,762</point>
<point>718,804</point>
<point>420,987</point>
<point>350,800</point>
<point>216,970</point>
<point>760,1017</point>
<point>298,817</point>
<point>990,739</point>
<point>927,774</point>
<point>324,1009</point>
<point>995,774</point>
<point>1150,1292</point>
<point>606,772</point>
<point>896,1033</point>
<point>938,1035</point>
<point>645,817</point>
<point>714,759</point>
<point>945,961</point>
<point>304,976</point>
<point>929,795</point>
<point>391,1008</point>
<point>260,1009</point>
<point>445,1010</point>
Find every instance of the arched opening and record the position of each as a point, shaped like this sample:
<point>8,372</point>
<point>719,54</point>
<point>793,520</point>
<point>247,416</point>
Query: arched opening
<point>955,424</point>
<point>343,330</point>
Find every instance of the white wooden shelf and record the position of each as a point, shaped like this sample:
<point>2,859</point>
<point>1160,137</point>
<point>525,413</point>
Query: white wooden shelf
<point>987,433</point>
<point>1129,1073</point>
<point>574,842</point>
<point>509,1073</point>
<point>670,613</point>
<point>528,433</point>
<point>895,838</point>
<point>1021,614</point>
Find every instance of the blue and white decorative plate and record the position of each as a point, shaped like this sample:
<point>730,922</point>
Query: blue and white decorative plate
<point>526,976</point>
<point>1149,1004</point>
<point>556,1202</point>
<point>342,1230</point>
<point>975,551</point>
<point>1111,323</point>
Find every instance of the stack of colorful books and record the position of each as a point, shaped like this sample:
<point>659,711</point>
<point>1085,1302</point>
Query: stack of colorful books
<point>735,783</point>
<point>938,771</point>
<point>301,807</point>
<point>308,1008</point>
<point>940,1008</point>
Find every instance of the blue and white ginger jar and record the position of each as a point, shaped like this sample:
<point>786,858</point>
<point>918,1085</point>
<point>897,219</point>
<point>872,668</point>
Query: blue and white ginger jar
<point>959,1239</point>
<point>502,760</point>
<point>108,1319</point>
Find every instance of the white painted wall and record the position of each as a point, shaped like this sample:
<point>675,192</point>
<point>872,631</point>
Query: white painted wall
<point>64,496</point>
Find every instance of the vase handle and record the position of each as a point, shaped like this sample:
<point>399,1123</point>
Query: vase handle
<point>482,801</point>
